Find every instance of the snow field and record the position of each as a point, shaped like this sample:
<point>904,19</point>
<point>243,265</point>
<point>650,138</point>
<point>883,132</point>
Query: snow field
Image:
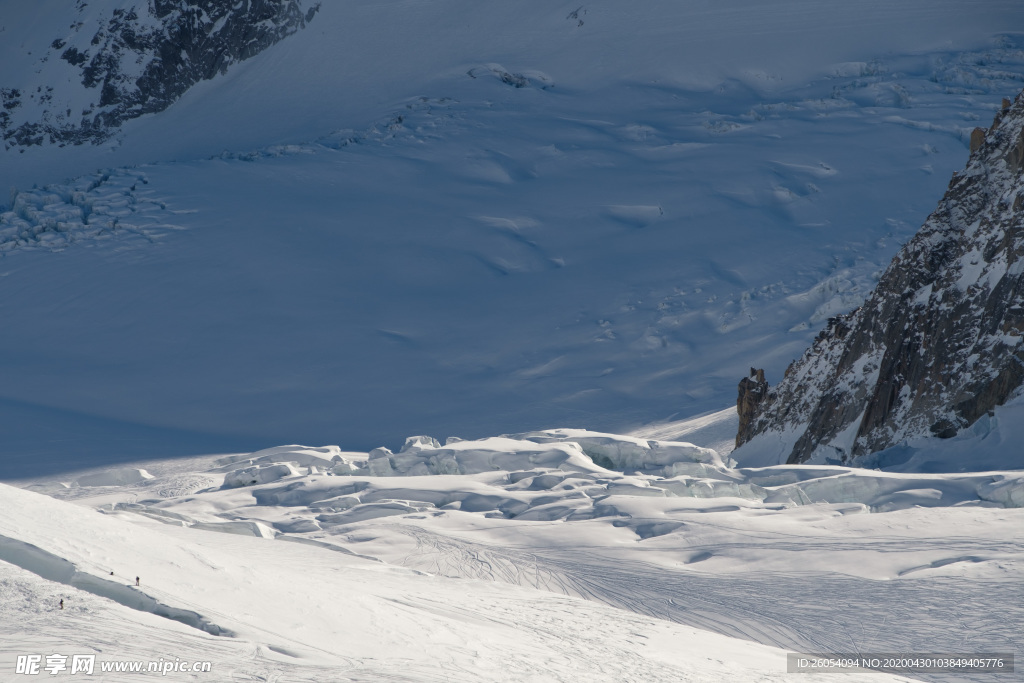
<point>810,558</point>
<point>363,620</point>
<point>476,258</point>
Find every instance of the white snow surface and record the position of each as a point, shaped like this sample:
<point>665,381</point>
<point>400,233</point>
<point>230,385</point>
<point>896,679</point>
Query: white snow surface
<point>116,476</point>
<point>480,219</point>
<point>523,560</point>
<point>452,218</point>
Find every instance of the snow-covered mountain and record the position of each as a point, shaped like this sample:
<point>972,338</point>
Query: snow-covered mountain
<point>121,60</point>
<point>938,344</point>
<point>346,222</point>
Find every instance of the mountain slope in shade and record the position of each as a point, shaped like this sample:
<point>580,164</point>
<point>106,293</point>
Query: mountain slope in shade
<point>465,220</point>
<point>120,60</point>
<point>938,344</point>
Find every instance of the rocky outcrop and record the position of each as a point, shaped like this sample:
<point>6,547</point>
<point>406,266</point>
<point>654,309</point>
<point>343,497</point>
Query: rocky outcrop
<point>752,392</point>
<point>977,139</point>
<point>939,342</point>
<point>139,61</point>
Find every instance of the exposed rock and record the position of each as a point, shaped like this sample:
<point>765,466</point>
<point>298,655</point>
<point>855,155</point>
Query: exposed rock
<point>143,59</point>
<point>752,391</point>
<point>1015,154</point>
<point>977,139</point>
<point>940,341</point>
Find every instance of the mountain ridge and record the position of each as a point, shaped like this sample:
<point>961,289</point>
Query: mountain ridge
<point>940,341</point>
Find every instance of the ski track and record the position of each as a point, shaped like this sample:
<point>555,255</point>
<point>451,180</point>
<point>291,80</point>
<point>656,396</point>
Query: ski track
<point>781,586</point>
<point>812,612</point>
<point>28,621</point>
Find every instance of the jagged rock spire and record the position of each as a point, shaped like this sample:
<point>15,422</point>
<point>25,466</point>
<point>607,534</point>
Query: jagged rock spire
<point>752,392</point>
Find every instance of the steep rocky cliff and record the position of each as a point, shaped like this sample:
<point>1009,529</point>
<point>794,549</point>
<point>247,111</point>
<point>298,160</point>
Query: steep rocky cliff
<point>117,63</point>
<point>939,342</point>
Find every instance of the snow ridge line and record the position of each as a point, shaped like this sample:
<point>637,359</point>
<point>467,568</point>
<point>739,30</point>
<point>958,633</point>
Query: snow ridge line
<point>51,567</point>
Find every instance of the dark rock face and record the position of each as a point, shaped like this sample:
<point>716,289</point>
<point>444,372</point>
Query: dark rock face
<point>143,59</point>
<point>940,341</point>
<point>752,392</point>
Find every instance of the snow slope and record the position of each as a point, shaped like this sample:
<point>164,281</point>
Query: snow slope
<point>357,58</point>
<point>394,237</point>
<point>349,560</point>
<point>300,612</point>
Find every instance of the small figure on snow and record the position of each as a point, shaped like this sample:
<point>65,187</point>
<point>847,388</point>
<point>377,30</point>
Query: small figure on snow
<point>62,603</point>
<point>136,581</point>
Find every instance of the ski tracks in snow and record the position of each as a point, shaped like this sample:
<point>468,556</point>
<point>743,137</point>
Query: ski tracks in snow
<point>809,612</point>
